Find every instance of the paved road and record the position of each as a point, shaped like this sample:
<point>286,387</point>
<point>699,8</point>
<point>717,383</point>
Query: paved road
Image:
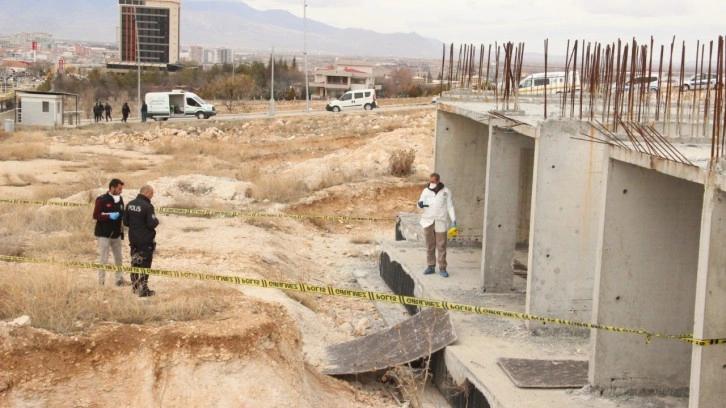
<point>278,114</point>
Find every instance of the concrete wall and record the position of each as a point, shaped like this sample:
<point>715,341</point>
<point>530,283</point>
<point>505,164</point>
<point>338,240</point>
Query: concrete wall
<point>645,278</point>
<point>460,155</point>
<point>568,180</point>
<point>708,379</point>
<point>501,209</point>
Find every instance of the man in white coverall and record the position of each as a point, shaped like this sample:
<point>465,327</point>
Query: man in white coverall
<point>438,205</point>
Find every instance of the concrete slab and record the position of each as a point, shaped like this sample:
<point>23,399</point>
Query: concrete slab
<point>484,339</point>
<point>530,373</point>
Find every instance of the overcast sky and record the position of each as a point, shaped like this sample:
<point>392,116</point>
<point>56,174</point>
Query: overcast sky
<point>530,21</point>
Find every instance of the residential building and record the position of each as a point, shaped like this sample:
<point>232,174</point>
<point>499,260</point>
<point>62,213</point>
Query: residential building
<point>223,56</point>
<point>148,33</point>
<point>196,53</point>
<point>345,75</point>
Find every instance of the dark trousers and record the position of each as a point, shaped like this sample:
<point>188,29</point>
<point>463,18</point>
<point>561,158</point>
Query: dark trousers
<point>141,257</point>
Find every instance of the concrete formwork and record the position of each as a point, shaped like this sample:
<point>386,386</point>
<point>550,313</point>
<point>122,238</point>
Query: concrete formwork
<point>616,237</point>
<point>502,203</point>
<point>645,277</point>
<point>708,382</point>
<point>460,154</point>
<point>568,179</point>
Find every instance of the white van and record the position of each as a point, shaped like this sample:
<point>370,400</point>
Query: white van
<point>554,82</point>
<point>357,99</point>
<point>177,104</point>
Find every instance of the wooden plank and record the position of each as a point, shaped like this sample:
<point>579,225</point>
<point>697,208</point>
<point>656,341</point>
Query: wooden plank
<point>421,335</point>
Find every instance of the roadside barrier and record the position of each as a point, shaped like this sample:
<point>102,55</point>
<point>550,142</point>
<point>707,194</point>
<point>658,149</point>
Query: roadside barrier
<point>362,295</point>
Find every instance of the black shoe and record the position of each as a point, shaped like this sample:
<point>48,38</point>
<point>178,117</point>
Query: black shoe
<point>147,293</point>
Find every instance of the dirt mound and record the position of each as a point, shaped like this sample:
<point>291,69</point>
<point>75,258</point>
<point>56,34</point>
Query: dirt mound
<point>250,355</point>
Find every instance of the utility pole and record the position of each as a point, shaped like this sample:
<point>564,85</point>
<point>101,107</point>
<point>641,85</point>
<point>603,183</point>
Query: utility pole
<point>305,55</point>
<point>138,61</point>
<point>272,84</point>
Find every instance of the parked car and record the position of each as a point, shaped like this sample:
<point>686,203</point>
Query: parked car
<point>361,98</point>
<point>650,83</point>
<point>700,81</point>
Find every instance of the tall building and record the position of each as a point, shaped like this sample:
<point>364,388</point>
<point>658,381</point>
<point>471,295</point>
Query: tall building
<point>196,53</point>
<point>223,56</point>
<point>152,26</point>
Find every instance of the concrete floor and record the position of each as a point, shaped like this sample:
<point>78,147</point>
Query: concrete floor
<point>482,339</point>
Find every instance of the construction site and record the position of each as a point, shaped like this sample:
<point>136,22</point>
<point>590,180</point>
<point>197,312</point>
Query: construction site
<point>585,272</point>
<point>611,197</point>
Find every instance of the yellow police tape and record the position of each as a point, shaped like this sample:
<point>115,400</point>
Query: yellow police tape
<point>360,294</point>
<point>193,211</point>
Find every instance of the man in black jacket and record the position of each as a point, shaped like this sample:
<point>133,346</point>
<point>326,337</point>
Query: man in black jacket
<point>108,213</point>
<point>142,223</point>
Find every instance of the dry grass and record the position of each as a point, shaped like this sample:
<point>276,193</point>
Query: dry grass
<point>410,382</point>
<point>400,163</point>
<point>66,230</point>
<point>23,147</point>
<point>19,180</point>
<point>194,148</point>
<point>280,190</point>
<point>69,157</point>
<point>66,301</point>
<point>49,191</point>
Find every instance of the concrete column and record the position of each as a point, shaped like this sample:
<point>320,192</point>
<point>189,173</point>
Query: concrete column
<point>460,157</point>
<point>645,279</point>
<point>708,363</point>
<point>501,208</point>
<point>566,208</point>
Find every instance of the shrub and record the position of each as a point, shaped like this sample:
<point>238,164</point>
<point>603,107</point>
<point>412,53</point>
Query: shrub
<point>400,163</point>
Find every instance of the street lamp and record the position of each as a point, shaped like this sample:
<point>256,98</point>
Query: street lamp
<point>138,62</point>
<point>305,54</point>
<point>272,84</point>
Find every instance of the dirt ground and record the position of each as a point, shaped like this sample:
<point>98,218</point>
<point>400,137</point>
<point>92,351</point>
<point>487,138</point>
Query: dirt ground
<point>258,347</point>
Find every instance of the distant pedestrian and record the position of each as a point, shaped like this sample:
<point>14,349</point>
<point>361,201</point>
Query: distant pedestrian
<point>97,110</point>
<point>142,222</point>
<point>125,111</point>
<point>108,112</point>
<point>144,109</point>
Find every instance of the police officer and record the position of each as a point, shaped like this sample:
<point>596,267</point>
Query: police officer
<point>141,220</point>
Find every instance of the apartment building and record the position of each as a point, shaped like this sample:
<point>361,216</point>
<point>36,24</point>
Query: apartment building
<point>149,32</point>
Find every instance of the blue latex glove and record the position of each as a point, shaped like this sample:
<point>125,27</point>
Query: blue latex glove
<point>420,204</point>
<point>113,215</point>
<point>453,224</point>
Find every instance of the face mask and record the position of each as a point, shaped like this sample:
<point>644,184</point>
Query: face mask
<point>432,185</point>
<point>116,198</point>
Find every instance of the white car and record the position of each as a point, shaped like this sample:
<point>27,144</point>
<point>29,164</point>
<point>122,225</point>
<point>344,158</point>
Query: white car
<point>700,81</point>
<point>357,99</point>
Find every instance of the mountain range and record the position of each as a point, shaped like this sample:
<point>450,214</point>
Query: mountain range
<point>215,23</point>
